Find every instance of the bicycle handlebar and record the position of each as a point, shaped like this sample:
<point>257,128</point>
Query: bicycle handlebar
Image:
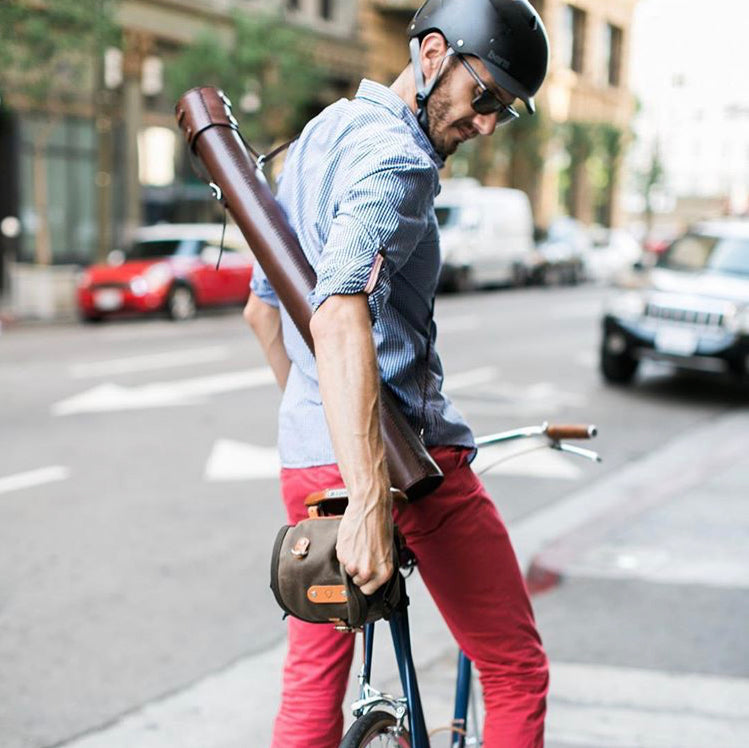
<point>554,434</point>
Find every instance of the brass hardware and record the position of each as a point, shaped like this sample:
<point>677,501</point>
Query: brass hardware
<point>301,548</point>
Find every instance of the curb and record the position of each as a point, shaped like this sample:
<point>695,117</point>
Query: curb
<point>652,481</point>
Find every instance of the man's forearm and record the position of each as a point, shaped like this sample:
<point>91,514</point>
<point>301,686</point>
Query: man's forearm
<point>265,320</point>
<point>350,390</point>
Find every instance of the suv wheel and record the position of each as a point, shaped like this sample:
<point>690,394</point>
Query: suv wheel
<point>180,303</point>
<point>618,368</point>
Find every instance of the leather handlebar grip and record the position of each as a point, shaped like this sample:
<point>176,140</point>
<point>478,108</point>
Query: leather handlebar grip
<point>559,431</point>
<point>204,115</point>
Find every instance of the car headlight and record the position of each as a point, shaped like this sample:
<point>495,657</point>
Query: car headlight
<point>158,276</point>
<point>738,322</point>
<point>139,286</point>
<point>627,306</point>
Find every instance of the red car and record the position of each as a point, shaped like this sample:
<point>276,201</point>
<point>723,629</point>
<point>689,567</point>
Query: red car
<point>172,268</point>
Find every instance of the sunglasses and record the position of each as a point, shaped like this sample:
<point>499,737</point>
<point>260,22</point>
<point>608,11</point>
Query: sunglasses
<point>487,102</point>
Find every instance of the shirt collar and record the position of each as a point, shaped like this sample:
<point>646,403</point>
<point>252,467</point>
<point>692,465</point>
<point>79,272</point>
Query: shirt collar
<point>387,98</point>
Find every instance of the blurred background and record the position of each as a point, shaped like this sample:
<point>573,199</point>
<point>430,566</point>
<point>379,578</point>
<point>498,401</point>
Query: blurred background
<point>635,131</point>
<point>595,269</point>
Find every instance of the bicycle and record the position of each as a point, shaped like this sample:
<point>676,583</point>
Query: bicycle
<point>398,721</point>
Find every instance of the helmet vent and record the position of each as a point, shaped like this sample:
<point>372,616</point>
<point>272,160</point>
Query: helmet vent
<point>534,23</point>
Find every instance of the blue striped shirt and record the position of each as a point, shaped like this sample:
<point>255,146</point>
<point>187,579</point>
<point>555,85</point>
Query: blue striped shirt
<point>358,188</point>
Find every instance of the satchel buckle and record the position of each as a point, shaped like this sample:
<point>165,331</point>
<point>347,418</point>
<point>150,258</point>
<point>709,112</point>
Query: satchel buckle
<point>301,548</point>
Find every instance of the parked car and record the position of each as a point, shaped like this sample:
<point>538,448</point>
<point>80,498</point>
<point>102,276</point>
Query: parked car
<point>560,255</point>
<point>171,268</point>
<point>486,235</point>
<point>691,310</point>
<point>612,252</point>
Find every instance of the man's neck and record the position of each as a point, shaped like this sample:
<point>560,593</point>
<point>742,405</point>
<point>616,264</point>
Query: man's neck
<point>405,87</point>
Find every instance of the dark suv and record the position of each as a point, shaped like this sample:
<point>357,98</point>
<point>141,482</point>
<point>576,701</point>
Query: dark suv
<point>691,309</point>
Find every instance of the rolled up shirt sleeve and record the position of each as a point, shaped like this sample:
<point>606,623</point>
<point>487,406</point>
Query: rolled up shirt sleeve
<point>377,224</point>
<point>261,287</point>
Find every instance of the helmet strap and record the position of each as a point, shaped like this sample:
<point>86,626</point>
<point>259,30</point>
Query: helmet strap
<point>424,89</point>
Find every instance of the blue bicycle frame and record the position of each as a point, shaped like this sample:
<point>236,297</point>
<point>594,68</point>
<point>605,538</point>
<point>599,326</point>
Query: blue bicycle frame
<point>401,636</point>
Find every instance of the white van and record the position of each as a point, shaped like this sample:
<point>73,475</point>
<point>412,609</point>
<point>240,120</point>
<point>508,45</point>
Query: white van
<point>486,235</point>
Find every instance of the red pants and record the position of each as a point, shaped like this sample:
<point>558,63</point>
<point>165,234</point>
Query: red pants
<point>468,565</point>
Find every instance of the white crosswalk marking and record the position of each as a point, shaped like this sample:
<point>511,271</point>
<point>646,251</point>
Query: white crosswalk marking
<point>233,460</point>
<point>594,705</point>
<point>33,478</point>
<point>150,362</point>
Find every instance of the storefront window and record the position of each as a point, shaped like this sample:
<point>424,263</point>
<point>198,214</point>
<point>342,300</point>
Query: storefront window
<point>67,174</point>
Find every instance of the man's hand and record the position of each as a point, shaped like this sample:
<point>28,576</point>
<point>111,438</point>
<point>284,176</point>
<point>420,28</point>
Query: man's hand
<point>365,542</point>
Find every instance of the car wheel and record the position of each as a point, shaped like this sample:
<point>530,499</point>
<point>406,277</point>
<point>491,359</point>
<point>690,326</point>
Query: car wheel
<point>463,281</point>
<point>552,276</point>
<point>574,275</point>
<point>520,275</point>
<point>180,304</point>
<point>618,368</point>
<point>91,319</point>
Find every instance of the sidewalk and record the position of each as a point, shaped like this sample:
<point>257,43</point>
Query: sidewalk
<point>678,516</point>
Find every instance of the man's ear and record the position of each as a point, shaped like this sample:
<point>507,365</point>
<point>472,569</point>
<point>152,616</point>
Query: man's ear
<point>432,53</point>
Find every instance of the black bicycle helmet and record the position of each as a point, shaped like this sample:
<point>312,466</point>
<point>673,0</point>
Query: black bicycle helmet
<point>508,36</point>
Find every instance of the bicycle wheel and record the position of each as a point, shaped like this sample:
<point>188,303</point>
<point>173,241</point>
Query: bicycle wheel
<point>376,730</point>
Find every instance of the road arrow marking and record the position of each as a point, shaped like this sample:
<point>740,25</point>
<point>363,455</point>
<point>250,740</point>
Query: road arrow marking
<point>458,323</point>
<point>164,360</point>
<point>234,461</point>
<point>469,378</point>
<point>33,478</point>
<point>111,397</point>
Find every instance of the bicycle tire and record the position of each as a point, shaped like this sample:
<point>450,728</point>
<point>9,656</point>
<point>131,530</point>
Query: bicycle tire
<point>375,729</point>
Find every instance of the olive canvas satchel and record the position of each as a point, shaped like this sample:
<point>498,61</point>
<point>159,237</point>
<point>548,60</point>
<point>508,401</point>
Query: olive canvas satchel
<point>310,583</point>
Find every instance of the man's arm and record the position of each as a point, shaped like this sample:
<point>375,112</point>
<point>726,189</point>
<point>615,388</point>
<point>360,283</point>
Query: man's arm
<point>350,388</point>
<point>265,320</point>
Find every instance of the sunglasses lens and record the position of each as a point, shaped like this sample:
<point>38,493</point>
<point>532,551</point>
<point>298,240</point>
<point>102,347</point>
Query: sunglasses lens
<point>506,115</point>
<point>486,103</point>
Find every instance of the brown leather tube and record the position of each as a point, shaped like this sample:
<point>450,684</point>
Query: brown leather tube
<point>204,115</point>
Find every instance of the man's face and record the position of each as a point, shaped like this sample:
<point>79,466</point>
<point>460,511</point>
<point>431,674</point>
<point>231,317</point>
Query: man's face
<point>452,119</point>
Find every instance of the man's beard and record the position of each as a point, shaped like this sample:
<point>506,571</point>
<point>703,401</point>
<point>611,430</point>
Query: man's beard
<point>438,108</point>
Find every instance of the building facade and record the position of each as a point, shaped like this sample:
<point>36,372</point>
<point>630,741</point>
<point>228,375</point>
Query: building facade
<point>111,158</point>
<point>569,159</point>
<point>693,118</point>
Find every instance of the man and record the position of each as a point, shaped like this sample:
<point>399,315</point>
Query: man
<point>358,188</point>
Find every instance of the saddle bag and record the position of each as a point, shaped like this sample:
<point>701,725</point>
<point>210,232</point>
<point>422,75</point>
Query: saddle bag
<point>310,583</point>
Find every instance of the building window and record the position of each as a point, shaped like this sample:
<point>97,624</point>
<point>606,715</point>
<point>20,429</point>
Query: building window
<point>326,9</point>
<point>613,36</point>
<point>292,4</point>
<point>573,37</point>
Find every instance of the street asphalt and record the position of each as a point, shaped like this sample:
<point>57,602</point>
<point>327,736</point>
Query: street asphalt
<point>137,499</point>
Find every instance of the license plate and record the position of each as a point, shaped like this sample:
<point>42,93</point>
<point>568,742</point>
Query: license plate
<point>677,341</point>
<point>108,299</point>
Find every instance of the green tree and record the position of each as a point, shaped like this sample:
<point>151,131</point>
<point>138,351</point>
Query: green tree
<point>50,54</point>
<point>610,142</point>
<point>580,142</point>
<point>651,180</point>
<point>267,70</point>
